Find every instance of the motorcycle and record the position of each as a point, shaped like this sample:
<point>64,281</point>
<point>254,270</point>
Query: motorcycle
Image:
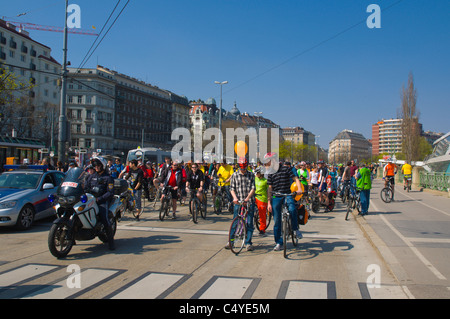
<point>78,214</point>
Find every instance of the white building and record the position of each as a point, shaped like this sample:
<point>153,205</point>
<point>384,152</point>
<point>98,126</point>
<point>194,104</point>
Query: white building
<point>90,109</point>
<point>31,62</point>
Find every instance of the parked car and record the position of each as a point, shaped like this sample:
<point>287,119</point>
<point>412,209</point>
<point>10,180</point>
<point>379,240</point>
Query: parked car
<point>23,194</point>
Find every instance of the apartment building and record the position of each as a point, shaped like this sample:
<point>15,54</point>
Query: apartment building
<point>298,135</point>
<point>30,62</point>
<point>349,145</point>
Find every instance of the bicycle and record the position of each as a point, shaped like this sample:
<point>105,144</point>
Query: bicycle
<point>408,178</point>
<point>221,201</point>
<point>287,230</point>
<point>165,204</point>
<point>238,229</point>
<point>350,204</point>
<point>387,193</point>
<point>128,203</point>
<point>196,207</point>
<point>314,199</point>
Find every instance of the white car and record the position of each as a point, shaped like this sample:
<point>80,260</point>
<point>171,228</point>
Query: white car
<point>23,194</point>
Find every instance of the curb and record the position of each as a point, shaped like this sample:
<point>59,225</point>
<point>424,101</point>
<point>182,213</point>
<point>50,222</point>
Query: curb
<point>383,251</point>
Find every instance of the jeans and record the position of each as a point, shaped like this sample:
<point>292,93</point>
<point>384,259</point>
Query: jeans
<point>277,203</point>
<point>250,226</point>
<point>365,199</point>
<point>137,198</point>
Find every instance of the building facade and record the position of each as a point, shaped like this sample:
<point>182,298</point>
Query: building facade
<point>37,72</point>
<point>349,145</point>
<point>298,135</point>
<point>90,104</point>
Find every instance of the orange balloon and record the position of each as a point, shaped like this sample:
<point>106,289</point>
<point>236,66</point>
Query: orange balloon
<point>241,148</point>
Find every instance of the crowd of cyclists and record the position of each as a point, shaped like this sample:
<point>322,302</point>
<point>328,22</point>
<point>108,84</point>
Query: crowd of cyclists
<point>255,185</point>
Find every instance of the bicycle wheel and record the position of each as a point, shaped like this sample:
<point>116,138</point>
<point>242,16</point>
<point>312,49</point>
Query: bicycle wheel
<point>285,229</point>
<point>237,234</point>
<point>218,204</point>
<point>137,212</point>
<point>195,207</point>
<point>386,195</point>
<point>162,210</point>
<point>349,207</point>
<point>204,206</point>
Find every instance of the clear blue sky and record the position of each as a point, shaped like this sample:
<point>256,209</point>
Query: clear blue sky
<point>299,62</point>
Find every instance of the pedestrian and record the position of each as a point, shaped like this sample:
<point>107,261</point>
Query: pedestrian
<point>261,199</point>
<point>364,183</point>
<point>242,189</point>
<point>280,182</point>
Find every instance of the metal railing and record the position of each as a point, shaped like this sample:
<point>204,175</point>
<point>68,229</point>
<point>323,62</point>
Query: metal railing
<point>435,180</point>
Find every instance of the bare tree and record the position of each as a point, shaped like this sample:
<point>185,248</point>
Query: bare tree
<point>410,124</point>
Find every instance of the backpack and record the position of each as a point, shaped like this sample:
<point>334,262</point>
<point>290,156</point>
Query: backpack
<point>302,215</point>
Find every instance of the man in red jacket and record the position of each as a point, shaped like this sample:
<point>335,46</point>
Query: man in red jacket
<point>172,178</point>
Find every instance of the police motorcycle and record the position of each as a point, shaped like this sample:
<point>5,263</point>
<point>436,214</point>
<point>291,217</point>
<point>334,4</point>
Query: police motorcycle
<point>78,214</point>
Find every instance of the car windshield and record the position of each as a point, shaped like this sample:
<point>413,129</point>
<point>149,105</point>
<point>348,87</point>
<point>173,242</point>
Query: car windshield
<point>19,180</point>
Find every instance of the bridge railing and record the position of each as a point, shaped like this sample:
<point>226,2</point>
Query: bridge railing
<point>435,180</point>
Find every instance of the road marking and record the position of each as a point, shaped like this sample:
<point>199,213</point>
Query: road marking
<point>307,289</point>
<point>90,278</point>
<point>384,291</point>
<point>24,273</point>
<point>411,246</point>
<point>150,286</point>
<point>430,240</point>
<point>173,230</point>
<point>228,288</point>
<point>420,202</point>
<point>219,232</point>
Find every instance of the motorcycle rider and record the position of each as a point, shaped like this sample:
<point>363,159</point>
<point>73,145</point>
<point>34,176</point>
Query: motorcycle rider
<point>102,180</point>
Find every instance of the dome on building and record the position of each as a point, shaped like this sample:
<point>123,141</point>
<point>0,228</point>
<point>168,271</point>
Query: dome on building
<point>211,101</point>
<point>235,111</point>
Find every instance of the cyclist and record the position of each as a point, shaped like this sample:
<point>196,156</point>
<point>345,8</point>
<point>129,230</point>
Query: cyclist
<point>224,173</point>
<point>389,172</point>
<point>346,180</point>
<point>261,198</point>
<point>364,182</point>
<point>137,180</point>
<point>280,182</point>
<point>407,173</point>
<point>303,175</point>
<point>195,181</point>
<point>323,174</point>
<point>242,188</point>
<point>171,176</point>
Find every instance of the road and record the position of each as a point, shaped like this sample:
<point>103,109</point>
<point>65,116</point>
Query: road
<point>361,258</point>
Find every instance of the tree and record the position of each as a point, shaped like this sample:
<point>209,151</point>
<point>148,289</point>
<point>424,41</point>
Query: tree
<point>410,124</point>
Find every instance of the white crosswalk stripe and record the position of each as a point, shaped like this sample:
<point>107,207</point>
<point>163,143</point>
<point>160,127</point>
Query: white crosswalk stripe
<point>24,273</point>
<point>150,286</point>
<point>228,288</point>
<point>305,289</point>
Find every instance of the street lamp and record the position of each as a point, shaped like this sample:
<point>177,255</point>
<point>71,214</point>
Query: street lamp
<point>258,114</point>
<point>220,119</point>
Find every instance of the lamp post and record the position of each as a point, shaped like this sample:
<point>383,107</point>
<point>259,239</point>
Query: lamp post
<point>258,114</point>
<point>62,134</point>
<point>317,144</point>
<point>220,119</point>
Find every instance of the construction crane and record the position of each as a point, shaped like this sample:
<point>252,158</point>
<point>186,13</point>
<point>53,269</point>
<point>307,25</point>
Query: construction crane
<point>33,26</point>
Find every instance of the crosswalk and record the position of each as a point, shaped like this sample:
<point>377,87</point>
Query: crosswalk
<point>17,284</point>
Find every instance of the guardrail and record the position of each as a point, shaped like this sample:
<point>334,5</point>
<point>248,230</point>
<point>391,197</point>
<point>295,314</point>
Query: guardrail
<point>435,180</point>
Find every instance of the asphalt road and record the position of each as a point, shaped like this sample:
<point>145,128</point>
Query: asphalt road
<point>175,259</point>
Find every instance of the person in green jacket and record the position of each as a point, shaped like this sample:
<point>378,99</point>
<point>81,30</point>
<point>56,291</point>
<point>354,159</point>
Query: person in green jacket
<point>364,183</point>
<point>261,199</point>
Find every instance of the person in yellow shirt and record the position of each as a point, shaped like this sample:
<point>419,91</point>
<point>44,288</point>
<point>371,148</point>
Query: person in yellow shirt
<point>224,174</point>
<point>407,173</point>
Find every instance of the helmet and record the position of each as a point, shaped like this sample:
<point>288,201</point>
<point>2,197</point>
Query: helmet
<point>269,156</point>
<point>243,163</point>
<point>97,161</point>
<point>259,169</point>
<point>294,188</point>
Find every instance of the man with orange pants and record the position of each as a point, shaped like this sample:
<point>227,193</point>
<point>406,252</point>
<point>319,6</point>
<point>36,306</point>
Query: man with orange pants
<point>261,199</point>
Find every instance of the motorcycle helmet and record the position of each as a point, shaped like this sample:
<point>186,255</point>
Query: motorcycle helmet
<point>99,161</point>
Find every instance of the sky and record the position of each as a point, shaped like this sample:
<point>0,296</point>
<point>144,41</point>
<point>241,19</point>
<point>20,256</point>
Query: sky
<point>314,64</point>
